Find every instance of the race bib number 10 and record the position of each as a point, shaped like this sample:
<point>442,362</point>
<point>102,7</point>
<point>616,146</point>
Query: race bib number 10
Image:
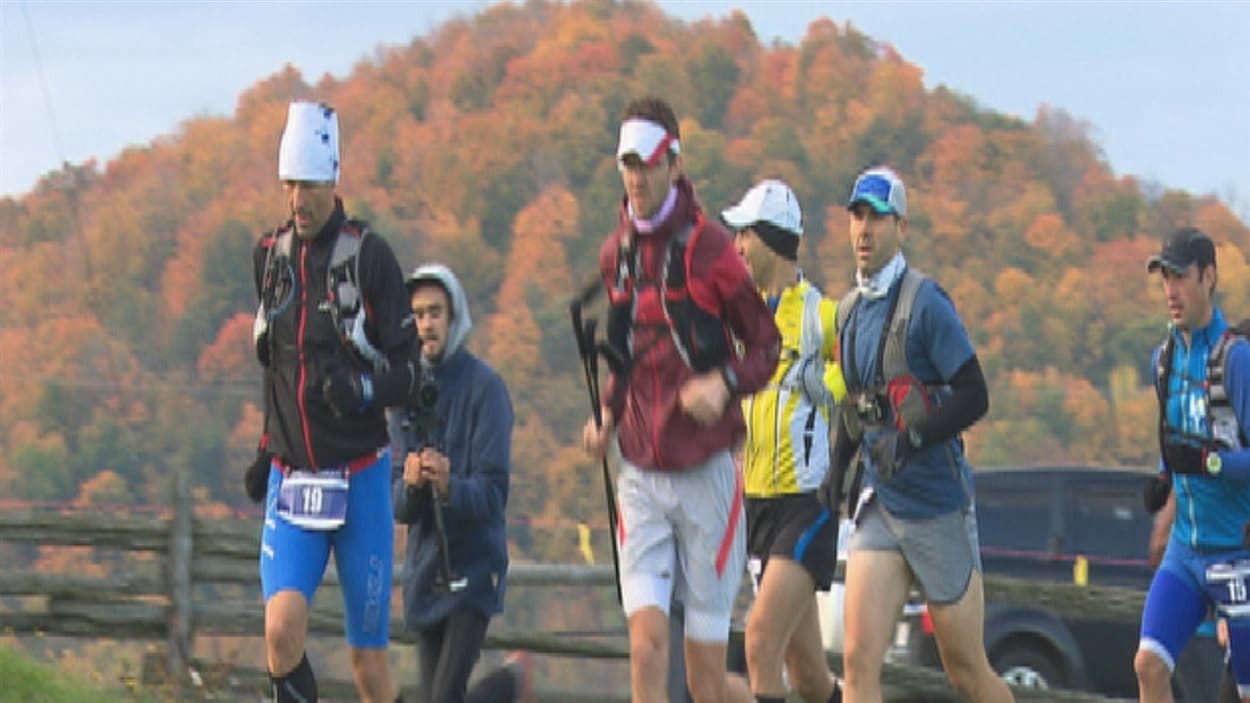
<point>314,500</point>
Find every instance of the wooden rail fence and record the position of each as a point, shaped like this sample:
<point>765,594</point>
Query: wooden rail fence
<point>157,600</point>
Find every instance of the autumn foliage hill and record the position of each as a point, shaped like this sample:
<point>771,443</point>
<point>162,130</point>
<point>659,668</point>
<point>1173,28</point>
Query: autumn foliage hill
<point>488,144</point>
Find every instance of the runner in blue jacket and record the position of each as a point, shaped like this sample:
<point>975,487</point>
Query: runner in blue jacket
<point>1203,380</point>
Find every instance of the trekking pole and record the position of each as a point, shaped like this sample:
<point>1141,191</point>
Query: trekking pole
<point>609,491</point>
<point>584,334</point>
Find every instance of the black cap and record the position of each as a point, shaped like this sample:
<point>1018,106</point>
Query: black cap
<point>1185,246</point>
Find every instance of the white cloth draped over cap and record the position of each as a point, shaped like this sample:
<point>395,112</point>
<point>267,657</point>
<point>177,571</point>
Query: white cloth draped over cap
<point>309,150</point>
<point>647,139</point>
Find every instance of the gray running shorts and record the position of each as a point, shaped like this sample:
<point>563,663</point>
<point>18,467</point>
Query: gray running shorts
<point>941,551</point>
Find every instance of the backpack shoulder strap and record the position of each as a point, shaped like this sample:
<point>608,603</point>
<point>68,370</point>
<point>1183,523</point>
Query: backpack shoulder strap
<point>813,332</point>
<point>344,284</point>
<point>893,355</point>
<point>347,243</point>
<point>284,238</point>
<point>1241,330</point>
<point>681,248</point>
<point>846,306</point>
<point>621,287</point>
<point>1163,367</point>
<point>1217,362</point>
<point>1163,371</point>
<point>346,287</point>
<point>1226,429</point>
<point>277,245</point>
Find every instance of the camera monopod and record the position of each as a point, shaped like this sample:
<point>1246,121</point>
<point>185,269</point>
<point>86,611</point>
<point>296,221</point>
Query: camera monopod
<point>424,422</point>
<point>451,584</point>
<point>584,332</point>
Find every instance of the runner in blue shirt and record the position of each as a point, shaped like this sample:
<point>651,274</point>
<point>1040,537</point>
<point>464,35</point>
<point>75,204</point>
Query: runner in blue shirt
<point>914,383</point>
<point>1206,463</point>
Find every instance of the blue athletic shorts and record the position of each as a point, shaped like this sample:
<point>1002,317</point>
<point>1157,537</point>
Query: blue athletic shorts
<point>294,559</point>
<point>1180,597</point>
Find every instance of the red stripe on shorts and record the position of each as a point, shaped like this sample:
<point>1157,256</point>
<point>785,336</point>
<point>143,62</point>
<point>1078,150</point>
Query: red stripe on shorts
<point>620,526</point>
<point>735,511</point>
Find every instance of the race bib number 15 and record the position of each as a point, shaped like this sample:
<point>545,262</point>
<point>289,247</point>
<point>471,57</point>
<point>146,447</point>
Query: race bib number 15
<point>1227,583</point>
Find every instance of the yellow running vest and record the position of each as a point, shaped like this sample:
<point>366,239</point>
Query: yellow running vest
<point>787,441</point>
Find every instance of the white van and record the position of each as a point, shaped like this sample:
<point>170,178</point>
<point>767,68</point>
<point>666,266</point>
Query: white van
<point>829,603</point>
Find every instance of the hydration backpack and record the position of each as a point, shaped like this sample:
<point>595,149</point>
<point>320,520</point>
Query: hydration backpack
<point>344,301</point>
<point>701,338</point>
<point>894,376</point>
<point>1220,415</point>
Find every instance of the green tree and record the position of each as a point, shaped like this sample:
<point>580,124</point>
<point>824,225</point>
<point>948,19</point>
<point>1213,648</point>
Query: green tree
<point>714,70</point>
<point>45,469</point>
<point>224,288</point>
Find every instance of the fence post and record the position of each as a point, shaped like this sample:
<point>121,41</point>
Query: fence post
<point>180,549</point>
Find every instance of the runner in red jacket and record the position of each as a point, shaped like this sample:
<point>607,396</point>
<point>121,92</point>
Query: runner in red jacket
<point>692,335</point>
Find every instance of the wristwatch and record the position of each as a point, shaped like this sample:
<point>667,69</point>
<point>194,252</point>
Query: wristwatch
<point>1214,463</point>
<point>730,378</point>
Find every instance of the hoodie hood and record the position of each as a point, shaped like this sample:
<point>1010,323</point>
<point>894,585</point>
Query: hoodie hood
<point>461,322</point>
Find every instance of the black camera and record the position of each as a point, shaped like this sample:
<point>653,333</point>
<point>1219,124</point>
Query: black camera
<point>870,408</point>
<point>421,422</point>
<point>427,393</point>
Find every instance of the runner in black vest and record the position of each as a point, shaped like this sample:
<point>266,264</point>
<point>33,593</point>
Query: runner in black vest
<point>325,472</point>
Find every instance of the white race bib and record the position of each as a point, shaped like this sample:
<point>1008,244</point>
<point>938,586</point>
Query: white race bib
<point>314,500</point>
<point>1228,584</point>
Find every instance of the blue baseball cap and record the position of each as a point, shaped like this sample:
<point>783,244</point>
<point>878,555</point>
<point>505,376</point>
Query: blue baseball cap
<point>882,189</point>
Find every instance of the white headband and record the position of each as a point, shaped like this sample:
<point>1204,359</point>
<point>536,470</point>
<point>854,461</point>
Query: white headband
<point>648,140</point>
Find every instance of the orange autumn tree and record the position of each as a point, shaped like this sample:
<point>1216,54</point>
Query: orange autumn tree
<point>487,143</point>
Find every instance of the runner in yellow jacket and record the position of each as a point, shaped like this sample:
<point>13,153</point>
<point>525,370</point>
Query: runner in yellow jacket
<point>790,535</point>
<point>787,444</point>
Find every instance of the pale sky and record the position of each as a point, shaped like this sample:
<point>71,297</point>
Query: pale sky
<point>1165,86</point>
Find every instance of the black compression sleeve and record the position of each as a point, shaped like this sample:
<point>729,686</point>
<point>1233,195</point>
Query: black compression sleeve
<point>968,402</point>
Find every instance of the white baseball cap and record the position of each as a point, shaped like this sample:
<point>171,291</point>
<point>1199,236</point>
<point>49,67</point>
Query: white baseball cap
<point>309,150</point>
<point>770,201</point>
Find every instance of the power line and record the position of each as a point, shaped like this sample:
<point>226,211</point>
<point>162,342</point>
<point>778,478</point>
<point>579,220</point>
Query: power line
<point>43,84</point>
<point>71,183</point>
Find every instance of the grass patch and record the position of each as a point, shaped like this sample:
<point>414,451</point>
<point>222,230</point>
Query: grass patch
<point>24,680</point>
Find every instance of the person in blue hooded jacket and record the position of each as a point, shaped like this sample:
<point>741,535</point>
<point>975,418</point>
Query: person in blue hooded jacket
<point>451,489</point>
